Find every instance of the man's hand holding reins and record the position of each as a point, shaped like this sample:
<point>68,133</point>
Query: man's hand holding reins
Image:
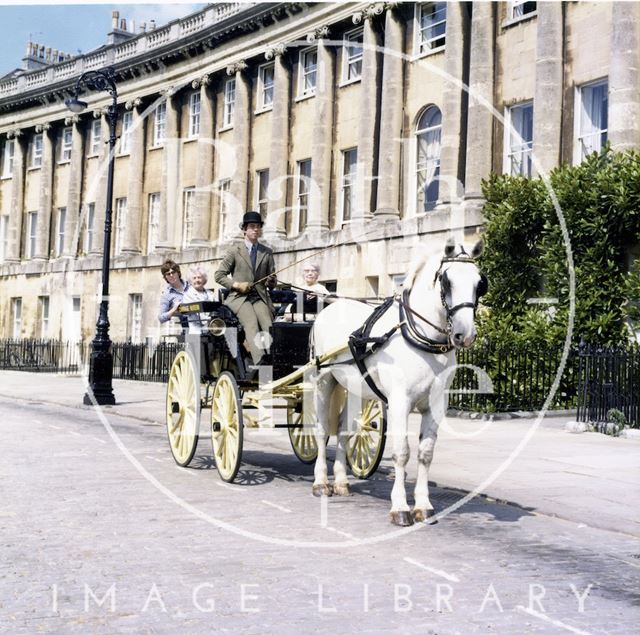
<point>242,287</point>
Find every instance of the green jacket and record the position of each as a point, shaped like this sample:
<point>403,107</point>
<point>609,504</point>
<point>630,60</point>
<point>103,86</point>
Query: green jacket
<point>236,267</point>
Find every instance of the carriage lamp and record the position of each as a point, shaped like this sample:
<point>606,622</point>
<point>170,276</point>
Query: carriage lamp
<point>217,327</point>
<point>101,358</point>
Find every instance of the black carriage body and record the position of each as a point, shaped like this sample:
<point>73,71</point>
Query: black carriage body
<point>290,338</point>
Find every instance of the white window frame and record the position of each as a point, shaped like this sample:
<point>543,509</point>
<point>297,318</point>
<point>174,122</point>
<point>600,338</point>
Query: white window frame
<point>306,70</point>
<point>516,9</point>
<point>8,153</point>
<point>159,124</point>
<point>96,137</point>
<point>224,192</point>
<point>66,144</point>
<point>229,103</point>
<point>4,237</point>
<point>89,229</point>
<point>349,59</point>
<point>194,115</point>
<point>303,195</point>
<point>579,112</point>
<point>188,212</point>
<point>348,181</point>
<point>266,87</point>
<point>16,318</point>
<point>36,150</point>
<point>261,195</point>
<point>44,309</point>
<point>424,45</point>
<point>61,221</point>
<point>127,133</point>
<point>32,234</point>
<point>153,235</point>
<point>135,318</point>
<point>417,167</point>
<point>526,146</point>
<point>121,209</point>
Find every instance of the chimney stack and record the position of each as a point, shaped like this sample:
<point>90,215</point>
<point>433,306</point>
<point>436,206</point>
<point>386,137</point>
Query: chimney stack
<point>114,19</point>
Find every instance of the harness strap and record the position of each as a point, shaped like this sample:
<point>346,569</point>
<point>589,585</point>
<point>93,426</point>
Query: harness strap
<point>360,339</point>
<point>413,336</point>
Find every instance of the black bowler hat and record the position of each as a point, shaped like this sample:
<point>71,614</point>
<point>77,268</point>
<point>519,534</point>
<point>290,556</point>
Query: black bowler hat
<point>251,217</point>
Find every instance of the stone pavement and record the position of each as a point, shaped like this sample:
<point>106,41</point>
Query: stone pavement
<point>534,463</point>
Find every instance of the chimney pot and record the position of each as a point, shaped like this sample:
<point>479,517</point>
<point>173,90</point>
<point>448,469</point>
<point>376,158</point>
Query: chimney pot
<point>114,19</point>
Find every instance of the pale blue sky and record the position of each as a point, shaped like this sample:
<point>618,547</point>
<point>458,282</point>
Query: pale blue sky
<point>71,27</point>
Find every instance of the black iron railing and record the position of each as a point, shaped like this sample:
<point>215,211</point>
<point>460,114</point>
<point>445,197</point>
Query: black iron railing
<point>521,378</point>
<point>47,356</point>
<point>609,377</point>
<point>144,362</point>
<point>595,379</point>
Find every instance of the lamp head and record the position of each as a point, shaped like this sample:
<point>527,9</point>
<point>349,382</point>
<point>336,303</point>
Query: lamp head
<point>75,105</point>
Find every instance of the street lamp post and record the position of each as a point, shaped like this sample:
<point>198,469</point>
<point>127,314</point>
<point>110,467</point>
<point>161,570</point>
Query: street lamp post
<point>101,360</point>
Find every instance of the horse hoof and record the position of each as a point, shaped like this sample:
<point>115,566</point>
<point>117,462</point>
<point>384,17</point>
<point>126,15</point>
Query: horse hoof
<point>341,489</point>
<point>423,515</point>
<point>322,490</point>
<point>402,519</point>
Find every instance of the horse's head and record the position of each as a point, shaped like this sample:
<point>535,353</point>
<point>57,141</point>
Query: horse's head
<point>461,286</point>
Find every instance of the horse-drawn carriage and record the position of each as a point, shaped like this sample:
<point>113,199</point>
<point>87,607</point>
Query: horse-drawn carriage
<point>213,374</point>
<point>395,359</point>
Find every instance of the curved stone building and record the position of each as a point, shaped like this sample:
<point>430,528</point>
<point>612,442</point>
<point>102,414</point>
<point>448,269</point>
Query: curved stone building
<point>345,124</point>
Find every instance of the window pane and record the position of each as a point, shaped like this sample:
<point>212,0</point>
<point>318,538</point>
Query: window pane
<point>428,141</point>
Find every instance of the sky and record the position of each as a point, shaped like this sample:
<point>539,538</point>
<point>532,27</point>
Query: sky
<point>71,28</point>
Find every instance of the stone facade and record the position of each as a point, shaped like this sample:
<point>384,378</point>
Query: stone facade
<point>210,101</point>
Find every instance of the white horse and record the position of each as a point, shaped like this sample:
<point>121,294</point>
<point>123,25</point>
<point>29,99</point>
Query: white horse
<point>412,369</point>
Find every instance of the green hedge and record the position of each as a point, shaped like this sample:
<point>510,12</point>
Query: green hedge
<point>526,256</point>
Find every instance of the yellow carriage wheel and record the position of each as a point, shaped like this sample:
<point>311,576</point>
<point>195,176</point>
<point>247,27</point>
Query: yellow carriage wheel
<point>301,427</point>
<point>183,408</point>
<point>226,426</point>
<point>366,445</point>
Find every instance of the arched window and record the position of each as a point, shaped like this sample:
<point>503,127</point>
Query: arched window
<point>428,158</point>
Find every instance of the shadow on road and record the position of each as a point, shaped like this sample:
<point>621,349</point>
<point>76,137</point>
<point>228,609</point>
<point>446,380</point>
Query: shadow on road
<point>260,467</point>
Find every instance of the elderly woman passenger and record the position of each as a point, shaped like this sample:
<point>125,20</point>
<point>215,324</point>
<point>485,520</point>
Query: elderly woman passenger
<point>197,293</point>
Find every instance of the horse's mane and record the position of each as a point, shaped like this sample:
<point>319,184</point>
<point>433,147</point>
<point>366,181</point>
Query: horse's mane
<point>430,263</point>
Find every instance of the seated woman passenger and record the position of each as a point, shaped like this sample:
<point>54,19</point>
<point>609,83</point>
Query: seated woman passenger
<point>310,275</point>
<point>172,295</point>
<point>197,293</point>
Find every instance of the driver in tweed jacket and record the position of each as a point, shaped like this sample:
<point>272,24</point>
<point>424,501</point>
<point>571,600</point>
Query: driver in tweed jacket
<point>246,270</point>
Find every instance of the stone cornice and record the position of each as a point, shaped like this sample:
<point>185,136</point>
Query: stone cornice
<point>146,53</point>
<point>144,75</point>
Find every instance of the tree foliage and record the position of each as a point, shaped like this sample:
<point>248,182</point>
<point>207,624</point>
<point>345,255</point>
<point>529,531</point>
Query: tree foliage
<point>526,257</point>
